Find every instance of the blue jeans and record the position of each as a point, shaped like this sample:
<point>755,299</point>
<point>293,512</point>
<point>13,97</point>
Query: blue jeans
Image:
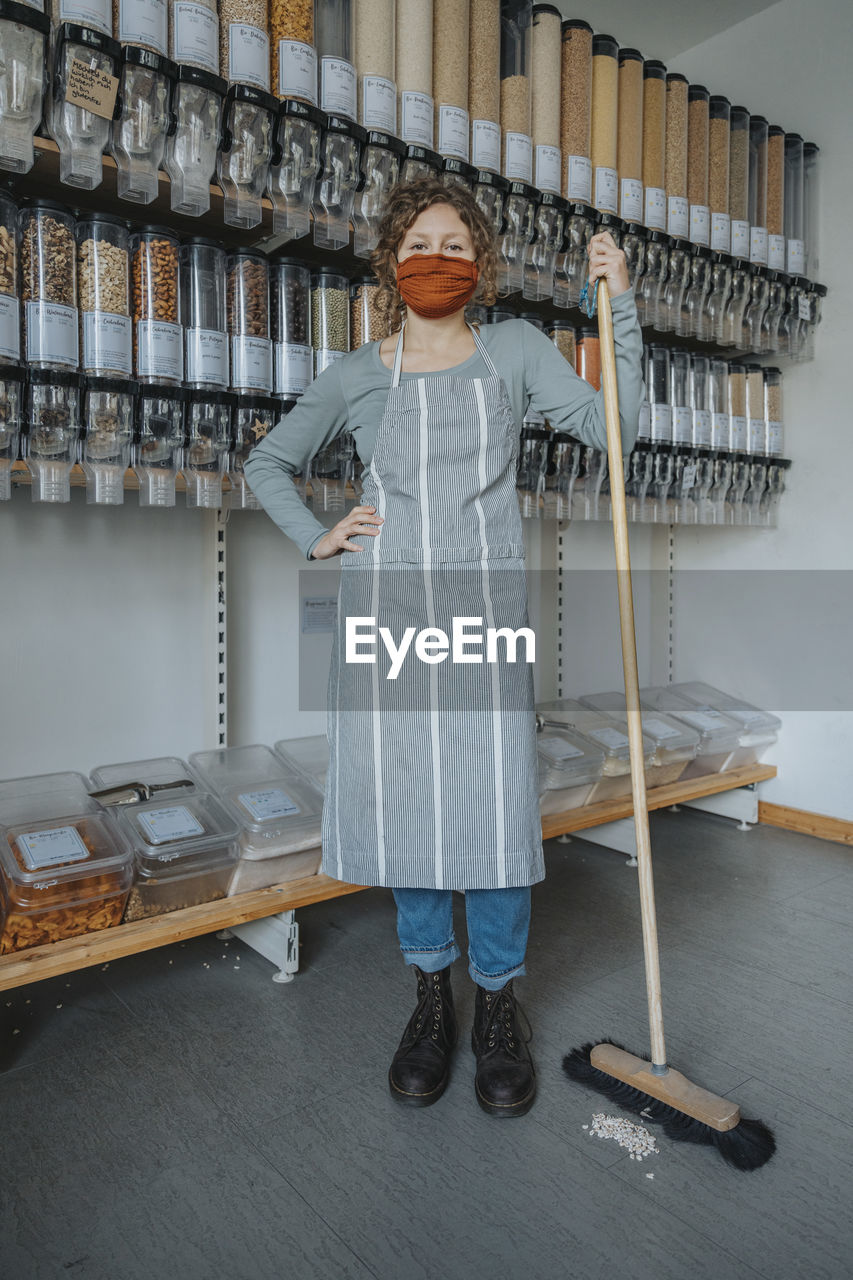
<point>498,923</point>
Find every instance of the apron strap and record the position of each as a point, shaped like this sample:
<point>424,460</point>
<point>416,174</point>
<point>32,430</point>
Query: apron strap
<point>398,355</point>
<point>481,347</point>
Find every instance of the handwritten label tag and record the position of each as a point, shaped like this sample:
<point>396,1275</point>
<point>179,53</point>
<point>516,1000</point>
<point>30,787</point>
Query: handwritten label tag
<point>92,90</point>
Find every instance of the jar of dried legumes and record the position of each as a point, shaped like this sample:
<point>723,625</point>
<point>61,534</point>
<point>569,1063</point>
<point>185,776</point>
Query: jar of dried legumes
<point>142,22</point>
<point>290,284</point>
<point>367,324</point>
<point>329,319</point>
<point>10,319</point>
<point>244,43</point>
<point>194,34</point>
<point>155,290</point>
<point>249,321</point>
<point>103,291</point>
<point>49,285</point>
<point>294,57</point>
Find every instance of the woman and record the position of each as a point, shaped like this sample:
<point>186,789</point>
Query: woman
<point>432,780</point>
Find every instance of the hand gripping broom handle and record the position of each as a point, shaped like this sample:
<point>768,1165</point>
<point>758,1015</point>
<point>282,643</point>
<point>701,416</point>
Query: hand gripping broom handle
<point>629,666</point>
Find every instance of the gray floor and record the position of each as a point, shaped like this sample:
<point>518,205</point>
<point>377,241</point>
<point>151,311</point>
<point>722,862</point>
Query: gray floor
<point>177,1115</point>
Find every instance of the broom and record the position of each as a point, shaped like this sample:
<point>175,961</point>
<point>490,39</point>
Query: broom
<point>648,1086</point>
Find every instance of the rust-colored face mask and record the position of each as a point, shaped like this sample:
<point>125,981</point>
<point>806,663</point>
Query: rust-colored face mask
<point>434,285</point>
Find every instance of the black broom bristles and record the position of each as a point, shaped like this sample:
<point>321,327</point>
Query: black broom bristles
<point>747,1146</point>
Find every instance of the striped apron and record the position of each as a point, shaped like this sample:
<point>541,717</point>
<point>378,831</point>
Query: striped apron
<point>432,779</point>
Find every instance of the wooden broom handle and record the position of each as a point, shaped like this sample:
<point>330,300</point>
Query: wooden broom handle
<point>629,666</point>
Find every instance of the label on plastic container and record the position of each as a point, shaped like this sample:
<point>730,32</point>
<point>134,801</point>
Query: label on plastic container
<point>52,334</point>
<point>661,423</point>
<point>721,232</point>
<point>557,749</point>
<point>95,91</point>
<point>453,131</point>
<point>796,257</point>
<point>738,432</point>
<point>172,823</point>
<point>486,145</point>
<point>682,424</point>
<point>700,224</point>
<point>677,216</point>
<point>88,13</point>
<point>207,357</point>
<point>579,178</point>
<point>631,199</point>
<point>776,253</point>
<point>659,729</point>
<point>518,157</point>
<point>548,165</point>
<point>251,364</point>
<point>195,35</point>
<point>338,87</point>
<point>293,368</point>
<point>775,442</point>
<point>417,119</point>
<point>720,430</point>
<point>803,309</point>
<point>10,327</point>
<point>159,350</point>
<point>297,71</point>
<point>740,239</point>
<point>701,428</point>
<point>688,477</point>
<point>249,55</point>
<point>655,208</point>
<point>612,738</point>
<point>756,433</point>
<point>51,848</point>
<point>606,190</point>
<point>323,357</point>
<point>706,719</point>
<point>645,421</point>
<point>267,804</point>
<point>378,103</point>
<point>106,342</point>
<point>758,245</point>
<point>143,22</point>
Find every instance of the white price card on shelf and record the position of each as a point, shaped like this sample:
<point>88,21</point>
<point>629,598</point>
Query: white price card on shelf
<point>319,613</point>
<point>173,822</point>
<point>268,803</point>
<point>51,848</point>
<point>556,749</point>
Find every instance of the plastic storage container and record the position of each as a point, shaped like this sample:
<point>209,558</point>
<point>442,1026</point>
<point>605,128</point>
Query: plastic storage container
<point>329,319</point>
<point>576,109</point>
<point>654,274</point>
<point>516,99</point>
<point>739,181</point>
<point>155,290</point>
<point>654,144</point>
<point>776,198</point>
<point>109,409</point>
<point>671,299</point>
<point>450,69</point>
<point>737,408</point>
<point>381,157</point>
<point>519,223</point>
<point>563,336</point>
<point>290,284</point>
<point>541,259</point>
<point>203,267</point>
<point>158,441</point>
<point>374,55</point>
<point>334,194</point>
<point>572,266</point>
<point>484,83</point>
<point>294,57</point>
<point>11,416</point>
<point>719,735</point>
<point>413,60</point>
<point>420,162</point>
<point>52,431</point>
<point>190,158</point>
<point>678,206</point>
<point>367,323</point>
<point>103,293</point>
<point>253,418</point>
<point>207,442</point>
<point>794,205</point>
<point>244,43</point>
<point>675,744</point>
<point>773,415</point>
<point>10,287</point>
<point>65,864</point>
<point>604,137</point>
<point>295,167</point>
<point>141,122</point>
<point>679,398</point>
<point>49,286</point>
<point>606,733</point>
<point>194,34</point>
<point>569,768</point>
<point>23,53</point>
<point>759,729</point>
<point>756,433</point>
<point>588,356</point>
<point>249,321</point>
<point>142,23</point>
<point>545,73</point>
<point>719,136</point>
<point>310,755</point>
<point>659,390</point>
<point>731,329</point>
<point>811,209</point>
<point>249,118</point>
<point>700,399</point>
<point>718,296</point>
<point>80,134</point>
<point>278,809</point>
<point>758,131</point>
<point>630,135</point>
<point>333,28</point>
<point>698,99</point>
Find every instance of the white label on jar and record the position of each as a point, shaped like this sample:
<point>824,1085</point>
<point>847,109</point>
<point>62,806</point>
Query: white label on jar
<point>486,145</point>
<point>579,178</point>
<point>293,368</point>
<point>738,432</point>
<point>297,71</point>
<point>756,435</point>
<point>143,22</point>
<point>677,216</point>
<point>776,253</point>
<point>106,342</point>
<point>688,479</point>
<point>721,232</point>
<point>417,117</point>
<point>661,423</point>
<point>631,199</point>
<point>612,738</point>
<point>195,35</point>
<point>10,327</point>
<point>548,165</point>
<point>338,87</point>
<point>51,848</point>
<point>606,190</point>
<point>796,257</point>
<point>774,439</point>
<point>803,308</point>
<point>556,749</point>
<point>88,13</point>
<point>720,430</point>
<point>701,428</point>
<point>159,350</point>
<point>645,421</point>
<point>655,208</point>
<point>251,363</point>
<point>700,224</point>
<point>248,55</point>
<point>658,728</point>
<point>378,103</point>
<point>52,333</point>
<point>267,804</point>
<point>453,132</point>
<point>682,425</point>
<point>323,357</point>
<point>172,823</point>
<point>518,154</point>
<point>740,239</point>
<point>758,245</point>
<point>207,357</point>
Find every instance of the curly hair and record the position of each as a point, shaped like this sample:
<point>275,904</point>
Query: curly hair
<point>405,203</point>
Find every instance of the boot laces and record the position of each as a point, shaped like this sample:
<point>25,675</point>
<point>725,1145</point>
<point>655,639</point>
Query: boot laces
<point>507,1026</point>
<point>429,1007</point>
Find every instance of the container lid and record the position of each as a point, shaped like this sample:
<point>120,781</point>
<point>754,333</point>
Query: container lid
<point>654,69</point>
<point>587,331</point>
<point>361,282</point>
<point>175,837</point>
<point>319,279</point>
<point>74,33</point>
<point>630,55</point>
<point>380,138</point>
<point>752,368</point>
<point>310,755</point>
<point>156,229</point>
<point>550,200</point>
<point>559,324</point>
<point>485,178</point>
<point>269,800</point>
<point>111,220</point>
<point>776,131</point>
<point>717,732</point>
<point>342,124</point>
<point>517,188</point>
<point>579,210</point>
<point>719,106</point>
<point>811,147</point>
<point>676,76</point>
<point>575,24</point>
<point>567,758</point>
<point>451,164</point>
<point>156,771</point>
<point>658,237</point>
<point>821,290</point>
<point>114,386</point>
<point>546,8</point>
<point>251,255</point>
<point>12,373</point>
<point>48,794</point>
<point>605,732</point>
<point>40,203</point>
<point>293,107</point>
<point>759,120</point>
<point>206,242</point>
<point>698,93</point>
<point>63,860</point>
<point>159,391</point>
<point>606,219</point>
<point>133,55</point>
<point>24,16</point>
<point>204,79</point>
<point>605,46</point>
<point>248,93</point>
<point>290,262</point>
<point>682,243</point>
<point>44,377</point>
<point>751,717</point>
<point>211,395</point>
<point>259,401</point>
<point>414,151</point>
<point>701,251</point>
<point>662,730</point>
<point>741,264</point>
<point>772,369</point>
<point>635,229</point>
<point>725,258</point>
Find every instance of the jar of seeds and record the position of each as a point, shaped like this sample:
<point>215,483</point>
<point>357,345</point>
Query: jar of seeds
<point>374,49</point>
<point>576,108</point>
<point>155,290</point>
<point>654,144</point>
<point>739,181</point>
<point>678,208</point>
<point>776,197</point>
<point>451,36</point>
<point>413,63</point>
<point>719,131</point>
<point>249,321</point>
<point>329,319</point>
<point>604,139</point>
<point>290,286</point>
<point>194,34</point>
<point>103,291</point>
<point>630,135</point>
<point>484,83</point>
<point>10,317</point>
<point>244,43</point>
<point>294,57</point>
<point>545,72</point>
<point>49,285</point>
<point>142,22</point>
<point>367,324</point>
<point>516,100</point>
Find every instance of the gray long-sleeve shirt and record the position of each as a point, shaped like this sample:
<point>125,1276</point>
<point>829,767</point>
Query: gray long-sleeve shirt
<point>352,393</point>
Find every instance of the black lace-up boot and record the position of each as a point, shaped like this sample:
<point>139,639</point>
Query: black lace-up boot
<point>420,1068</point>
<point>505,1083</point>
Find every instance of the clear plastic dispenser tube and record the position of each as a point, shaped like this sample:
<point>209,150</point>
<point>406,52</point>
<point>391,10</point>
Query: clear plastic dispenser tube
<point>142,122</point>
<point>381,158</point>
<point>109,409</point>
<point>249,321</point>
<point>293,358</point>
<point>375,54</point>
<point>758,138</point>
<point>451,30</point>
<point>295,168</point>
<point>654,144</point>
<point>158,340</point>
<point>334,195</point>
<point>204,316</point>
<point>794,205</point>
<point>490,191</point>
<point>604,136</point>
<point>81,135</point>
<point>541,258</point>
<point>53,430</point>
<point>254,416</point>
<point>24,34</point>
<point>520,220</point>
<point>413,61</point>
<point>698,99</point>
<point>158,443</point>
<point>739,181</point>
<point>204,460</point>
<point>776,198</point>
<point>811,210</point>
<point>719,136</point>
<point>192,144</point>
<point>546,77</point>
<point>10,282</point>
<point>243,164</point>
<point>333,28</point>
<point>576,109</point>
<point>630,134</point>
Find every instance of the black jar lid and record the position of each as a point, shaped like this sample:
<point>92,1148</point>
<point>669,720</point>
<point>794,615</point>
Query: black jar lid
<point>305,111</point>
<point>794,137</point>
<point>204,79</point>
<point>719,108</point>
<point>160,391</point>
<point>717,256</point>
<point>460,168</point>
<point>739,117</point>
<point>635,229</point>
<point>246,255</point>
<point>546,8</point>
<point>811,149</point>
<point>319,278</point>
<point>74,33</point>
<point>113,386</point>
<point>342,124</point>
<point>821,290</point>
<point>111,219</point>
<point>201,242</point>
<point>658,237</point>
<point>741,264</point>
<point>605,46</point>
<point>155,229</point>
<point>381,138</point>
<point>133,55</point>
<point>776,131</point>
<point>290,262</point>
<point>59,378</point>
<point>485,178</point>
<point>414,151</point>
<point>52,206</point>
<point>359,282</point>
<point>24,16</point>
<point>675,77</point>
<point>574,24</point>
<point>562,325</point>
<point>698,93</point>
<point>245,400</point>
<point>630,55</point>
<point>255,97</point>
<point>654,69</point>
<point>760,121</point>
<point>701,251</point>
<point>577,209</point>
<point>587,331</point>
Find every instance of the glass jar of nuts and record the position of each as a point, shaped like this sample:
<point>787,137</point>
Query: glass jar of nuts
<point>103,291</point>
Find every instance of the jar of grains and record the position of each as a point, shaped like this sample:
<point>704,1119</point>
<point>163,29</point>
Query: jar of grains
<point>194,34</point>
<point>103,291</point>
<point>629,155</point>
<point>155,291</point>
<point>244,43</point>
<point>49,285</point>
<point>739,181</point>
<point>294,58</point>
<point>203,265</point>
<point>516,99</point>
<point>758,138</point>
<point>450,42</point>
<point>698,99</point>
<point>776,197</point>
<point>97,14</point>
<point>576,108</point>
<point>290,284</point>
<point>249,321</point>
<point>142,22</point>
<point>794,204</point>
<point>333,26</point>
<point>737,407</point>
<point>719,129</point>
<point>484,83</point>
<point>563,336</point>
<point>374,44</point>
<point>10,318</point>
<point>329,319</point>
<point>654,144</point>
<point>545,73</point>
<point>413,60</point>
<point>604,138</point>
<point>675,166</point>
<point>367,322</point>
